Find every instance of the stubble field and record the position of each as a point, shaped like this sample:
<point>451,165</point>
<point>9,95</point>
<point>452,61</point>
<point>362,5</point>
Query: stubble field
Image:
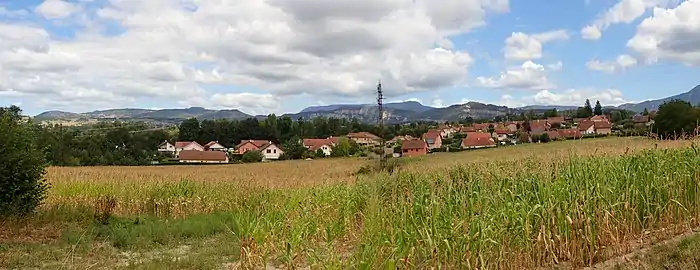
<point>570,203</point>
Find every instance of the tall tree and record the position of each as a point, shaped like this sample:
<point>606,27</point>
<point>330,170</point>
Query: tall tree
<point>646,112</point>
<point>675,118</point>
<point>189,130</point>
<point>598,109</point>
<point>22,166</point>
<point>587,109</point>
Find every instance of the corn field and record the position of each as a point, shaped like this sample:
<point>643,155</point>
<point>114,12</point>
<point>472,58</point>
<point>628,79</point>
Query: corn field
<point>508,208</point>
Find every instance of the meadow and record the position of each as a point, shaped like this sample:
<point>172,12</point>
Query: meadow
<point>572,203</point>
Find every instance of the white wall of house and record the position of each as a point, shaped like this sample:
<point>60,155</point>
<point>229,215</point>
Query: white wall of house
<point>326,150</point>
<point>272,152</point>
<point>590,130</point>
<point>217,147</point>
<point>167,148</point>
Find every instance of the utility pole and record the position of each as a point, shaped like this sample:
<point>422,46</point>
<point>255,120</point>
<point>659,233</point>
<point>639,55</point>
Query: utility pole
<point>380,123</point>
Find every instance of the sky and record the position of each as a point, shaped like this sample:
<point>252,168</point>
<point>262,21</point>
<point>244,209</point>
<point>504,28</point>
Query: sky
<point>280,56</point>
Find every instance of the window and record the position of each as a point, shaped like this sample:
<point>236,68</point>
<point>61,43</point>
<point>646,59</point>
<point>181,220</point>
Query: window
<point>405,150</point>
<point>269,151</point>
<point>274,151</point>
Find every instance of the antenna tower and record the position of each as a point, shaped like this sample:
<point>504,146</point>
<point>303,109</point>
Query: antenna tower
<point>380,123</point>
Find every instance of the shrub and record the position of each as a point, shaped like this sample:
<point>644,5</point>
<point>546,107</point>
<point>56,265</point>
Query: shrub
<point>252,156</point>
<point>22,167</point>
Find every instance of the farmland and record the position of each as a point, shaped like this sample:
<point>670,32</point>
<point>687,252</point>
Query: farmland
<point>572,202</point>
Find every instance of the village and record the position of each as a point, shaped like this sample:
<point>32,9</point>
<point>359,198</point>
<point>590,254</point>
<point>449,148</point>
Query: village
<point>441,138</point>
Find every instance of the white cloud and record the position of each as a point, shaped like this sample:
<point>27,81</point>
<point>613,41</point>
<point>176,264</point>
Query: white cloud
<point>556,66</point>
<point>625,11</point>
<point>254,103</point>
<point>672,34</point>
<point>521,46</point>
<point>571,97</point>
<point>529,75</point>
<point>171,51</point>
<point>591,33</point>
<point>621,63</point>
<point>57,9</point>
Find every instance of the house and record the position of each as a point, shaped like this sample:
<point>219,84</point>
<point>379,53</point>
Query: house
<point>579,120</point>
<point>447,132</point>
<point>512,126</point>
<point>641,121</point>
<point>474,141</point>
<point>433,138</point>
<point>600,118</point>
<point>569,133</point>
<point>334,140</point>
<point>482,127</point>
<point>166,148</point>
<point>398,139</point>
<point>412,148</point>
<point>271,151</point>
<point>214,146</point>
<point>194,156</point>
<point>250,145</point>
<point>364,138</point>
<point>557,120</point>
<point>501,134</point>
<point>602,127</point>
<point>587,127</point>
<point>467,129</point>
<point>325,145</point>
<point>181,146</point>
<point>539,126</point>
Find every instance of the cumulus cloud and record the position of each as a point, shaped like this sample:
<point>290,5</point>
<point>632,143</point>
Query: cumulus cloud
<point>625,11</point>
<point>521,46</point>
<point>56,9</point>
<point>571,97</point>
<point>174,50</point>
<point>556,66</point>
<point>529,75</point>
<point>621,63</point>
<point>672,34</point>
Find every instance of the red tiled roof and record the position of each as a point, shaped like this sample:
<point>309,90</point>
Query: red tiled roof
<point>365,135</point>
<point>501,131</point>
<point>318,146</point>
<point>556,120</point>
<point>431,135</point>
<point>585,125</point>
<point>641,119</point>
<point>478,135</point>
<point>181,144</point>
<point>570,133</point>
<point>476,141</point>
<point>194,155</point>
<point>210,144</point>
<point>256,143</point>
<point>467,129</point>
<point>602,124</point>
<point>313,142</point>
<point>599,118</point>
<point>413,144</point>
<point>482,126</point>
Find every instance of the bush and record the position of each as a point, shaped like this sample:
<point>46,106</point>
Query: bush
<point>252,156</point>
<point>22,167</point>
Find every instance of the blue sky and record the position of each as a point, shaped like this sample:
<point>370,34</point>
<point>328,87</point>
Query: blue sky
<point>274,56</point>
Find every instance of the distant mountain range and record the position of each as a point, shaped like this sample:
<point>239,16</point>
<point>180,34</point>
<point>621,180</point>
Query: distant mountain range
<point>394,112</point>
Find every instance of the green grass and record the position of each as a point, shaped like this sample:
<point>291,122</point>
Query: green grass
<point>496,215</point>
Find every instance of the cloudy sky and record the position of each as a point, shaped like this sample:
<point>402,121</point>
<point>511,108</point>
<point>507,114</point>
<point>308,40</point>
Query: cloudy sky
<point>276,56</point>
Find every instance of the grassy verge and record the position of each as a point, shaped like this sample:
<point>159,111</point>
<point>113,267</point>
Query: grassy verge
<point>498,214</point>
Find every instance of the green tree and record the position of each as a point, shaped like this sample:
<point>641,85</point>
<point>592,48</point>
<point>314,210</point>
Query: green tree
<point>342,149</point>
<point>319,153</point>
<point>189,130</point>
<point>22,166</point>
<point>551,113</point>
<point>252,156</point>
<point>646,112</point>
<point>293,149</point>
<point>586,111</point>
<point>598,108</point>
<point>491,129</point>
<point>675,118</point>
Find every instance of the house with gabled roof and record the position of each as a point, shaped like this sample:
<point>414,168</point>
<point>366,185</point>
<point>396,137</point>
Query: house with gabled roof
<point>569,133</point>
<point>166,148</point>
<point>602,127</point>
<point>433,139</point>
<point>250,145</point>
<point>364,138</point>
<point>270,151</point>
<point>325,145</point>
<point>413,148</point>
<point>477,140</point>
<point>214,146</point>
<point>184,145</point>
